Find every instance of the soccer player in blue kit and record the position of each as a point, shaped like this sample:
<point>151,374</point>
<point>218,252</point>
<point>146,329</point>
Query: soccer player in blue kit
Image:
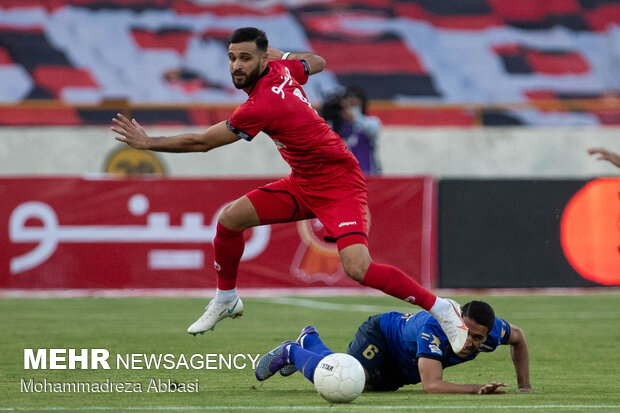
<point>396,349</point>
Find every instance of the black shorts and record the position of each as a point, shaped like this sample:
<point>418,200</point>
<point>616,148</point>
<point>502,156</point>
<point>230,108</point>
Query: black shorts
<point>370,347</point>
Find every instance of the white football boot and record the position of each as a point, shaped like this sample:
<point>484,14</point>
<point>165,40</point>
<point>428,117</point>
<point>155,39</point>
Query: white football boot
<point>453,325</point>
<point>216,312</point>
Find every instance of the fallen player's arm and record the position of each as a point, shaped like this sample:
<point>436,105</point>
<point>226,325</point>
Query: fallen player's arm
<point>431,373</point>
<point>520,358</point>
<point>133,134</point>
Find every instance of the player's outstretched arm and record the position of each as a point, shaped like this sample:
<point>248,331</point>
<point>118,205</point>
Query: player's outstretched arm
<point>520,358</point>
<point>431,373</point>
<point>605,155</point>
<point>316,62</point>
<point>134,135</point>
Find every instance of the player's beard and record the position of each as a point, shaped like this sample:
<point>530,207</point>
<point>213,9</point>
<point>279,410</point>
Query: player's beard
<point>248,79</point>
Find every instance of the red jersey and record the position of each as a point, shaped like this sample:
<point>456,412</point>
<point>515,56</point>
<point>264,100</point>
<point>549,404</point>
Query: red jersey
<point>278,106</point>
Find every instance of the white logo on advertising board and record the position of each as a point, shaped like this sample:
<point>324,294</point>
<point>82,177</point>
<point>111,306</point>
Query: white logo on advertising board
<point>50,234</point>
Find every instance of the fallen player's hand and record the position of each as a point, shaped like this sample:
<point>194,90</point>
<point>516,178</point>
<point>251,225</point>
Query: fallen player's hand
<point>492,388</point>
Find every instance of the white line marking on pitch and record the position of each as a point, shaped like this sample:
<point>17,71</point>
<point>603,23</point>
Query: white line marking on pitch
<point>328,407</point>
<point>321,305</point>
<point>366,308</point>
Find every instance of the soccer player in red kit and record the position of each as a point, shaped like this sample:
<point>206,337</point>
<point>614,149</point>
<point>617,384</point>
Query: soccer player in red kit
<point>326,181</point>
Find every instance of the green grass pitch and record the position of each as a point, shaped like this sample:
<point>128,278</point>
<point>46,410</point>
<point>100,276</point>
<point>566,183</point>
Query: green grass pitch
<point>574,344</point>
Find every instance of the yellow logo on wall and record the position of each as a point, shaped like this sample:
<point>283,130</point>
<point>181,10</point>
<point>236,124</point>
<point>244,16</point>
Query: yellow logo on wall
<point>128,161</point>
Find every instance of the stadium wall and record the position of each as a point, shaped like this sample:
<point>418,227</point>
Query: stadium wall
<point>517,207</point>
<point>441,152</point>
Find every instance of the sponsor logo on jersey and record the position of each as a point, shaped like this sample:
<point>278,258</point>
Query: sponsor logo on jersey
<point>434,349</point>
<point>346,224</point>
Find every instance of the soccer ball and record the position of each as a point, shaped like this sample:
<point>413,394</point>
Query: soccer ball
<point>339,378</point>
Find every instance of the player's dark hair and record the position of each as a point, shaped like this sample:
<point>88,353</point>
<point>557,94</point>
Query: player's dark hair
<point>359,93</point>
<point>480,312</point>
<point>331,111</point>
<point>250,34</point>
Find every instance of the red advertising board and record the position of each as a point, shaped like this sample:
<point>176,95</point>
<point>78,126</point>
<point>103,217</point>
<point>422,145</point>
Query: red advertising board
<point>83,233</point>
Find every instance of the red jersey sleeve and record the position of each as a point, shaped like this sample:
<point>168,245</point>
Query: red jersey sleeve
<point>299,69</point>
<point>247,120</point>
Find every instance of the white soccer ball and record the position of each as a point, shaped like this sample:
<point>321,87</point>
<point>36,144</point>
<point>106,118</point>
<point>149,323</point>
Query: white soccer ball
<point>339,378</point>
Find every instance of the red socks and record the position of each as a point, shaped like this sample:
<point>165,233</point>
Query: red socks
<point>229,246</point>
<point>396,283</point>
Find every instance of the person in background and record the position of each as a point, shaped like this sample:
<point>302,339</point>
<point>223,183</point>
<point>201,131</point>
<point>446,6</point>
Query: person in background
<point>347,115</point>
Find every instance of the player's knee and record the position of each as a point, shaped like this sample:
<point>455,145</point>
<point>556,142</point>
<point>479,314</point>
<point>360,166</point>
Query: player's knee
<point>356,268</point>
<point>238,216</point>
<point>231,219</point>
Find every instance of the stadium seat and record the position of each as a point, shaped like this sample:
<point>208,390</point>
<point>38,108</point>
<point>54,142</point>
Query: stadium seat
<point>478,51</point>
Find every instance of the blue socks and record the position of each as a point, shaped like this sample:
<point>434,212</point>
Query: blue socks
<point>305,361</point>
<point>313,343</point>
<point>306,358</point>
